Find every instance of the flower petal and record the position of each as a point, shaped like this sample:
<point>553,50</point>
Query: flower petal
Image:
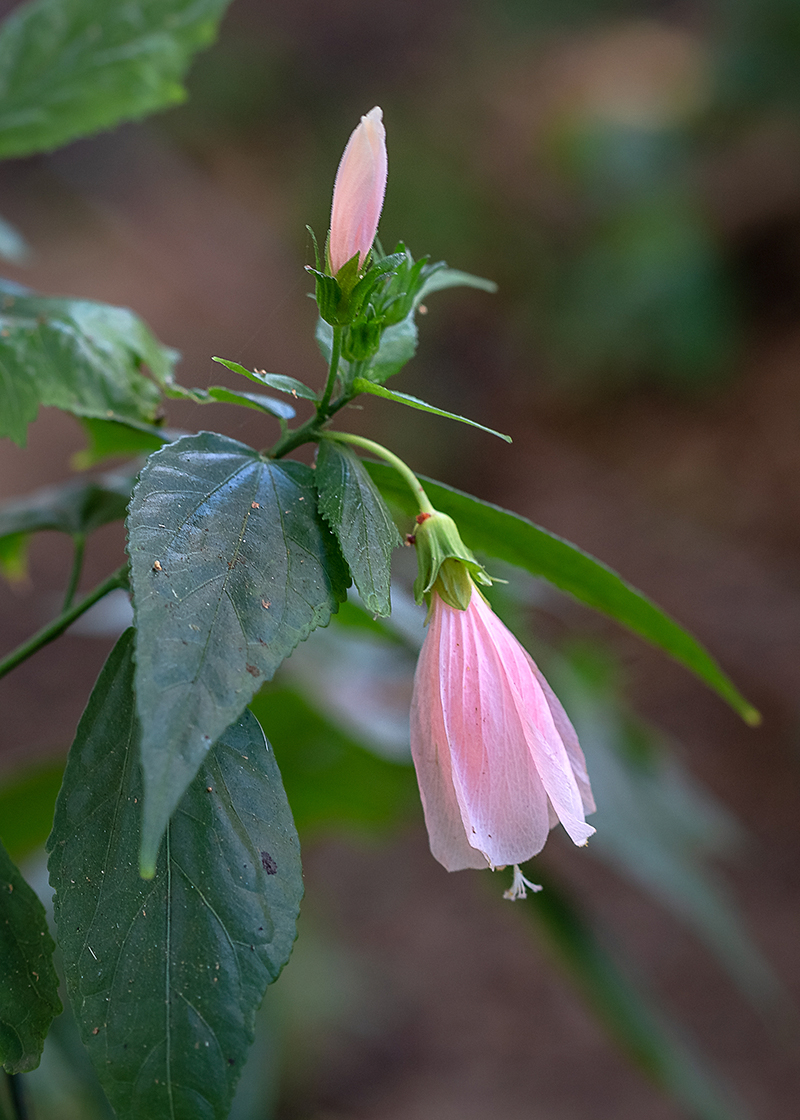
<point>544,742</point>
<point>358,192</point>
<point>431,754</point>
<point>502,799</point>
<point>569,738</point>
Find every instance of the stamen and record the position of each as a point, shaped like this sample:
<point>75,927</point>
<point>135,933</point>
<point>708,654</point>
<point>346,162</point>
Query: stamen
<point>517,888</point>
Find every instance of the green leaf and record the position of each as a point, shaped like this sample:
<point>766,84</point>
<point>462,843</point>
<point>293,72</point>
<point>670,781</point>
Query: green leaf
<point>111,439</point>
<point>649,1039</point>
<point>27,799</point>
<point>656,825</point>
<point>14,556</point>
<point>74,507</point>
<point>498,532</point>
<point>69,68</point>
<point>331,780</point>
<point>231,567</point>
<point>28,982</point>
<point>361,385</point>
<point>165,976</point>
<point>222,395</point>
<point>351,504</point>
<point>452,278</point>
<point>75,355</point>
<point>273,380</point>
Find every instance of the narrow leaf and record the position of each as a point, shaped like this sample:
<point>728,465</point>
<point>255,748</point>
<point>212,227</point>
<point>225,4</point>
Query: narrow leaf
<point>498,532</point>
<point>641,1030</point>
<point>361,385</point>
<point>79,356</point>
<point>231,567</point>
<point>351,504</point>
<point>452,278</point>
<point>28,982</point>
<point>165,976</point>
<point>69,68</point>
<point>274,380</point>
<point>223,395</point>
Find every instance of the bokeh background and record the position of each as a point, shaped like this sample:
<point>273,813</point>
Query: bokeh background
<point>629,174</point>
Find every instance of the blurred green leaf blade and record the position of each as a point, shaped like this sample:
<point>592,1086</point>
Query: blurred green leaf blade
<point>27,800</point>
<point>497,532</point>
<point>642,1031</point>
<point>28,982</point>
<point>79,356</point>
<point>231,567</point>
<point>74,507</point>
<point>353,508</point>
<point>69,68</point>
<point>209,932</point>
<point>110,439</point>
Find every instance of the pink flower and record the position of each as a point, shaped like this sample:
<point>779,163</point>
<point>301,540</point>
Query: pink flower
<point>497,759</point>
<point>358,192</point>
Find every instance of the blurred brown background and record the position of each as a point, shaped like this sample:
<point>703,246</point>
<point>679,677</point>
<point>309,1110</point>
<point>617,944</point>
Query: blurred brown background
<point>630,175</point>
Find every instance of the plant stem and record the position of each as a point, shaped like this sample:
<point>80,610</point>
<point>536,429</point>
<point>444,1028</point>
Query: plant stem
<point>57,627</point>
<point>394,461</point>
<point>336,353</point>
<point>79,544</point>
<point>16,1096</point>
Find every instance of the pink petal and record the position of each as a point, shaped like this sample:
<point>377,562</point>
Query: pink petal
<point>431,753</point>
<point>358,192</point>
<point>569,738</point>
<point>502,799</point>
<point>544,742</point>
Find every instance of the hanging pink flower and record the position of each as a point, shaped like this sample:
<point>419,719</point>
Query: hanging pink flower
<point>358,192</point>
<point>497,759</point>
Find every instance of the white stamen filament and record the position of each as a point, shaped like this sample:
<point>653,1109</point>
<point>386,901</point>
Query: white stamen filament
<point>517,888</point>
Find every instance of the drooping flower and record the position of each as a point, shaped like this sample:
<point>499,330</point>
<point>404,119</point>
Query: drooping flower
<point>497,759</point>
<point>358,192</point>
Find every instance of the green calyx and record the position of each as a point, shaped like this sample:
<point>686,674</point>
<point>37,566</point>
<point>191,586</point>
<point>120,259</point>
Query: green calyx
<point>446,565</point>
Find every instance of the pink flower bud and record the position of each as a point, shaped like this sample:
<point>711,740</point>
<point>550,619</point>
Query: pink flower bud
<point>358,192</point>
<point>497,759</point>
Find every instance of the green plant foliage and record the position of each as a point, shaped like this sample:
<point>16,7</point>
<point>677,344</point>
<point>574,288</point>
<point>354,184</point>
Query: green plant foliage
<point>111,439</point>
<point>28,982</point>
<point>74,507</point>
<point>351,504</point>
<point>274,380</point>
<point>72,67</point>
<point>649,1039</point>
<point>659,828</point>
<point>362,385</point>
<point>498,532</point>
<point>219,394</point>
<point>331,780</point>
<point>27,800</point>
<point>76,355</point>
<point>165,976</point>
<point>231,567</point>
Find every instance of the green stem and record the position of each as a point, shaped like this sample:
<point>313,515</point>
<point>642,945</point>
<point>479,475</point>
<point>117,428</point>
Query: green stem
<point>398,464</point>
<point>79,543</point>
<point>17,1097</point>
<point>336,353</point>
<point>57,627</point>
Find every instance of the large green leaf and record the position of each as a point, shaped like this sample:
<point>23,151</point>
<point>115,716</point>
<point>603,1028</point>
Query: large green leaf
<point>72,67</point>
<point>642,1031</point>
<point>76,355</point>
<point>165,976</point>
<point>231,567</point>
<point>351,504</point>
<point>498,532</point>
<point>28,982</point>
